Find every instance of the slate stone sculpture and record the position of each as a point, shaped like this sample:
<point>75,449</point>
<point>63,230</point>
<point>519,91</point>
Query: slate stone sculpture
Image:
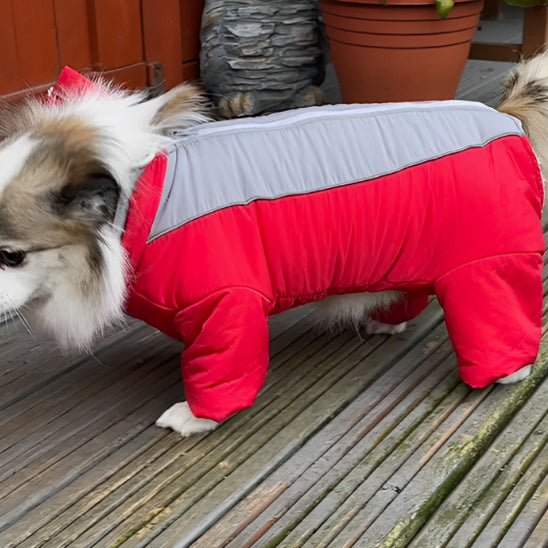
<point>261,56</point>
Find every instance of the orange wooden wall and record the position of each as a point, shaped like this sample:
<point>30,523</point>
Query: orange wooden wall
<point>128,39</point>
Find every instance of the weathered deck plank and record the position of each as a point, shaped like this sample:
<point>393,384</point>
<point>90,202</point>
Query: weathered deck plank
<point>538,536</point>
<point>339,471</point>
<point>517,516</point>
<point>333,370</point>
<point>437,478</point>
<point>471,507</point>
<point>360,375</point>
<point>149,351</point>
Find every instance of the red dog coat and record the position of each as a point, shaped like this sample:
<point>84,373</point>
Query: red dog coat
<point>241,219</point>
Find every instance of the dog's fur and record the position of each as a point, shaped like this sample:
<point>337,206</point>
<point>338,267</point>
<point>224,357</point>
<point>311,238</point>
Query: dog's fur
<point>66,165</point>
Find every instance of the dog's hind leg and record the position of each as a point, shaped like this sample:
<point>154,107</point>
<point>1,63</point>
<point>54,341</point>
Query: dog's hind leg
<point>375,327</point>
<point>493,313</point>
<point>519,375</point>
<point>392,319</point>
<point>351,310</point>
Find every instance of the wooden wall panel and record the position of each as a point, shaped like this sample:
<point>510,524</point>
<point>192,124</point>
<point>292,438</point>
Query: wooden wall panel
<point>36,40</point>
<point>126,39</point>
<point>162,38</point>
<point>191,16</point>
<point>116,32</point>
<point>131,76</point>
<point>73,36</point>
<point>9,67</point>
<point>28,41</point>
<point>535,30</point>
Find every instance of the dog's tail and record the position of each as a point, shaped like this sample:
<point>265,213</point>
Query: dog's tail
<point>525,96</point>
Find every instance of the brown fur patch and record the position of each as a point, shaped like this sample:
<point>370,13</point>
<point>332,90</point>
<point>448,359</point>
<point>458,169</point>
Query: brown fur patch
<point>64,156</point>
<point>185,98</point>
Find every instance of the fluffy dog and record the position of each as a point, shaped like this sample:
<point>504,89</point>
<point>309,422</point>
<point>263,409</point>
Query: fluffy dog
<point>112,203</point>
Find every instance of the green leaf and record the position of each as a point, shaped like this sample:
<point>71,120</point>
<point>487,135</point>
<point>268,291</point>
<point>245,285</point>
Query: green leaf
<point>444,7</point>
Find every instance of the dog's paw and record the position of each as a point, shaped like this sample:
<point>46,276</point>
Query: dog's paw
<point>519,375</point>
<point>179,418</point>
<point>374,327</point>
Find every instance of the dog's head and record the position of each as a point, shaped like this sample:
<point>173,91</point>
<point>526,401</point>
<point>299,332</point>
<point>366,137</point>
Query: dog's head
<point>64,164</point>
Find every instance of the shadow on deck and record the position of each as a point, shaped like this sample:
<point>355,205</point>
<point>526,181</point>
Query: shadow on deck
<point>351,443</point>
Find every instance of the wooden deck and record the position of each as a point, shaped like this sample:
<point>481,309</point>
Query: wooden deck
<point>352,442</point>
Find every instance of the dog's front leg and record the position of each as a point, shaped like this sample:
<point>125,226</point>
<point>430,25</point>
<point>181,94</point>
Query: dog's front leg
<point>224,361</point>
<point>180,418</point>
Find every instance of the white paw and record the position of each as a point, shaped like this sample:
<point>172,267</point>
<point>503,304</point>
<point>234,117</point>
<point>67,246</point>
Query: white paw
<point>378,328</point>
<point>179,418</point>
<point>519,375</point>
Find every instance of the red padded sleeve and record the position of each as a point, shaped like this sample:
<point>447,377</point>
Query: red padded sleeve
<point>226,354</point>
<point>493,312</point>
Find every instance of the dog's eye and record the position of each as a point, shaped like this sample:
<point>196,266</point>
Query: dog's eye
<point>11,258</point>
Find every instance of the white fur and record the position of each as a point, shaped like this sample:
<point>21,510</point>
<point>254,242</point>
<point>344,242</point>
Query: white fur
<point>343,311</point>
<point>124,122</point>
<point>180,418</point>
<point>13,158</point>
<point>126,142</point>
<point>55,301</point>
<point>75,319</point>
<point>128,137</point>
<point>379,328</point>
<point>519,375</point>
<point>18,287</point>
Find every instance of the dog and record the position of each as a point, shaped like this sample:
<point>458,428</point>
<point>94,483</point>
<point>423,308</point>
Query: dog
<point>112,203</point>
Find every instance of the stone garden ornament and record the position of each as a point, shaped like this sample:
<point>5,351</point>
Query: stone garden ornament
<point>261,56</point>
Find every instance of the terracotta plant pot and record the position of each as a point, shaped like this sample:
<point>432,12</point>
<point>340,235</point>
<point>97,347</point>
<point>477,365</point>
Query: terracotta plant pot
<point>401,51</point>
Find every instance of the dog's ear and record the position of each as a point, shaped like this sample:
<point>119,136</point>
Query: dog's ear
<point>180,108</point>
<point>93,200</point>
